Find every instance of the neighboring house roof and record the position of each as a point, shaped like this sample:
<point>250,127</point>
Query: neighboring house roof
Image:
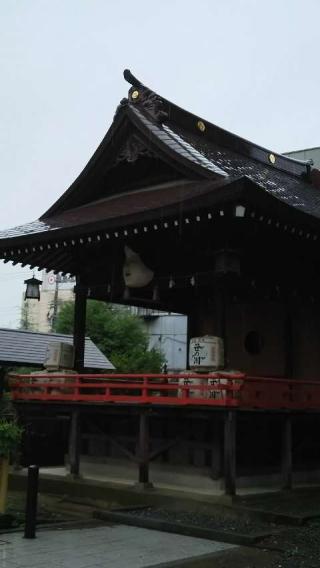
<point>20,347</point>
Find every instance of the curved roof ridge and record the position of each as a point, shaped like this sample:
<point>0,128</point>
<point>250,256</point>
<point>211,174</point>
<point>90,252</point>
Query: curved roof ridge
<point>202,127</point>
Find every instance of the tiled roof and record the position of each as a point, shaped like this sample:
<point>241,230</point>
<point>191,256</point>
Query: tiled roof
<point>211,157</point>
<point>20,347</point>
<point>31,228</point>
<point>292,190</point>
<point>177,144</point>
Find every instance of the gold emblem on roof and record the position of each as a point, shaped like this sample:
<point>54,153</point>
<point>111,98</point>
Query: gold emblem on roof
<point>135,95</point>
<point>201,125</point>
<point>272,158</point>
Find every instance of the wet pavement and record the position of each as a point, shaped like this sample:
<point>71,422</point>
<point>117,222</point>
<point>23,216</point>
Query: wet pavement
<point>117,546</point>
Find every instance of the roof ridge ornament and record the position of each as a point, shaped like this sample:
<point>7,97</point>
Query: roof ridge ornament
<point>132,79</point>
<point>150,102</point>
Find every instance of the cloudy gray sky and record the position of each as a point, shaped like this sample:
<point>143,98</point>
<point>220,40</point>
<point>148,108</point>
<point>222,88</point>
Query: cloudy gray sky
<point>246,65</point>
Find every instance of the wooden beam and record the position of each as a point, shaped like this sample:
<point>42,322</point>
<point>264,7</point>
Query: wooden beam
<point>68,266</point>
<point>286,452</point>
<point>79,330</point>
<point>230,423</point>
<point>41,258</point>
<point>121,448</point>
<point>55,259</point>
<point>113,441</point>
<point>164,448</point>
<point>38,258</point>
<point>74,443</point>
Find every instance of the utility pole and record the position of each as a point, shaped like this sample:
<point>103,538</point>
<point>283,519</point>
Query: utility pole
<point>55,301</point>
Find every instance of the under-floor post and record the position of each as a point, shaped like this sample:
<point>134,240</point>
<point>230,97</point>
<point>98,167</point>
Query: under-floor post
<point>230,424</point>
<point>74,443</point>
<point>286,453</point>
<point>144,450</point>
<point>216,453</point>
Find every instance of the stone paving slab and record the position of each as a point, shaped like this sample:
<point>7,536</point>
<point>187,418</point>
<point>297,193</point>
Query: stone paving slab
<point>117,546</point>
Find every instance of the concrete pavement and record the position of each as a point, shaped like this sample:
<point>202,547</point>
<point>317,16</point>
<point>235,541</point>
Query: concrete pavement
<point>117,546</point>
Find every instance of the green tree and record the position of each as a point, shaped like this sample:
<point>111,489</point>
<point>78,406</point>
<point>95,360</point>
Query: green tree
<point>25,321</point>
<point>119,334</point>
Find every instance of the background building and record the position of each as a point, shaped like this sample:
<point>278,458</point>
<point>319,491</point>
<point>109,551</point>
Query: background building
<point>167,332</point>
<point>55,290</point>
<point>307,154</point>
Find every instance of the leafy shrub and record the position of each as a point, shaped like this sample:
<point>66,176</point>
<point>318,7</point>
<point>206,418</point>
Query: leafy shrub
<point>10,436</point>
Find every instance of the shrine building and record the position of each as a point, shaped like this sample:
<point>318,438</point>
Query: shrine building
<point>174,213</point>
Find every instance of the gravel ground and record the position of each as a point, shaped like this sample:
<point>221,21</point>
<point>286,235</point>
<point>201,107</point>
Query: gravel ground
<point>297,502</point>
<point>291,547</point>
<point>299,547</point>
<point>16,507</point>
<point>241,525</point>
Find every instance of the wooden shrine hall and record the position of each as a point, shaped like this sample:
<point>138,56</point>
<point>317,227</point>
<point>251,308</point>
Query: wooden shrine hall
<point>177,214</point>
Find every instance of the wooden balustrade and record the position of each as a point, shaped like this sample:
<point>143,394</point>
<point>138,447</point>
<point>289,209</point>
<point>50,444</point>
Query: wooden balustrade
<point>215,389</point>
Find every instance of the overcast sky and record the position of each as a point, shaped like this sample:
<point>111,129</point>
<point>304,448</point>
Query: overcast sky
<point>246,65</point>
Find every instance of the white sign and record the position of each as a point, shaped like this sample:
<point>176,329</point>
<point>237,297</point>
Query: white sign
<point>206,352</point>
<point>49,280</point>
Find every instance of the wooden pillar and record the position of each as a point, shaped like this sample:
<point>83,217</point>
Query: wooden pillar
<point>220,316</point>
<point>74,443</point>
<point>165,436</point>
<point>288,343</point>
<point>216,450</point>
<point>144,450</point>
<point>286,454</point>
<point>79,329</point>
<point>230,423</point>
<point>4,474</point>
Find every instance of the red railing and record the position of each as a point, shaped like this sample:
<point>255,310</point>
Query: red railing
<point>275,393</point>
<point>214,389</point>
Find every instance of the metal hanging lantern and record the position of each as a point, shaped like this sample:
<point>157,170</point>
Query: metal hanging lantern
<point>32,289</point>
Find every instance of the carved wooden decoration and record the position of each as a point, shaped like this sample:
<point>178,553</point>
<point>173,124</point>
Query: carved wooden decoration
<point>133,149</point>
<point>152,104</point>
